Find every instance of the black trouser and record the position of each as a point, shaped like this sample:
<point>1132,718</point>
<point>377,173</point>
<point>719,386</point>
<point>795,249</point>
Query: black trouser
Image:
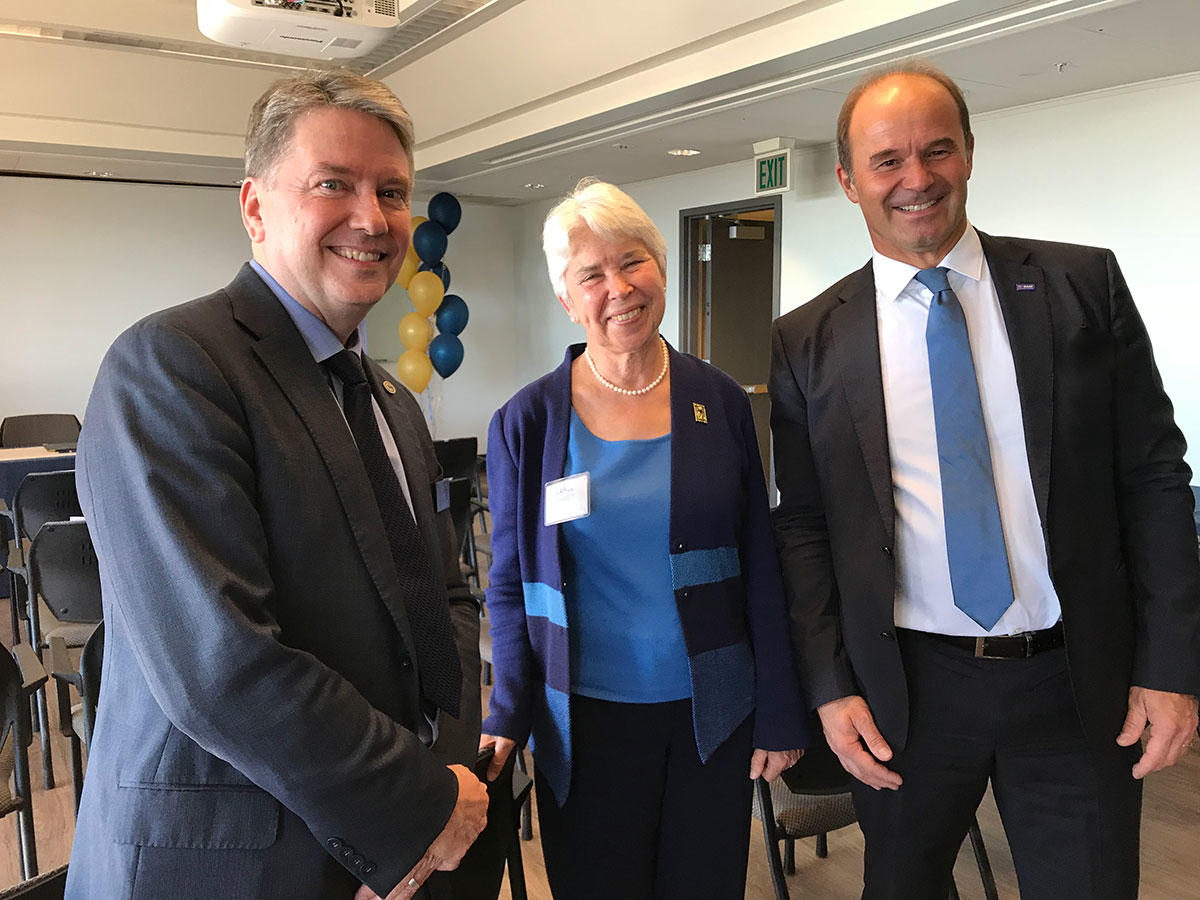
<point>1071,810</point>
<point>644,818</point>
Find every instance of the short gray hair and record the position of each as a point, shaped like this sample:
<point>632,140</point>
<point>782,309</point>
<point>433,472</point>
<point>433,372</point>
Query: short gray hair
<point>915,67</point>
<point>605,210</point>
<point>273,119</point>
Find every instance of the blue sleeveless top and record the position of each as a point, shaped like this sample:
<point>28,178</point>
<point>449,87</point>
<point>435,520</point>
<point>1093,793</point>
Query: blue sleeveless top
<point>626,642</point>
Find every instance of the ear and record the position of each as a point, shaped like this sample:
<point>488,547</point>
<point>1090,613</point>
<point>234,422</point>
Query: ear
<point>566,304</point>
<point>252,211</point>
<point>970,154</point>
<point>846,180</point>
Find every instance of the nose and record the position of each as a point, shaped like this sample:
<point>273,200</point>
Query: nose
<point>618,286</point>
<point>367,215</point>
<point>917,175</point>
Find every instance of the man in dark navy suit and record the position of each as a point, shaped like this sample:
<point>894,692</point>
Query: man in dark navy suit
<point>985,523</point>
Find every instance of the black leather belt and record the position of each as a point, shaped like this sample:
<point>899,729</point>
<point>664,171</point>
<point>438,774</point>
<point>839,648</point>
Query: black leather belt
<point>1008,646</point>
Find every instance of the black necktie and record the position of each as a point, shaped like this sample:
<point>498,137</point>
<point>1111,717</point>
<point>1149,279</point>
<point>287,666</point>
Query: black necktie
<point>429,620</point>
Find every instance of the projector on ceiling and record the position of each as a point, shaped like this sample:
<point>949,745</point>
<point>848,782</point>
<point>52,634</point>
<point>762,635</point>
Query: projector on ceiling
<point>317,29</point>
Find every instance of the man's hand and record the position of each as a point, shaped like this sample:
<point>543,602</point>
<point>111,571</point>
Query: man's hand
<point>503,747</point>
<point>769,763</point>
<point>848,724</point>
<point>447,849</point>
<point>1172,721</point>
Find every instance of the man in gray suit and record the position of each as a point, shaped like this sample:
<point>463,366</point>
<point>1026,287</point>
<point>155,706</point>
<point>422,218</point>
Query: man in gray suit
<point>985,523</point>
<point>285,712</point>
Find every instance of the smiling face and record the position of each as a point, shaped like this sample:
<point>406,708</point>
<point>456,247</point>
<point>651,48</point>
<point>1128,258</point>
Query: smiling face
<point>911,164</point>
<point>616,291</point>
<point>330,221</point>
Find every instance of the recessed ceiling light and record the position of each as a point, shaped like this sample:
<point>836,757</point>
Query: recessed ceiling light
<point>94,174</point>
<point>683,151</point>
<point>534,185</point>
<point>620,146</point>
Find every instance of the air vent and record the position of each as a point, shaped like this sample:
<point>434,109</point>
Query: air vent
<point>385,7</point>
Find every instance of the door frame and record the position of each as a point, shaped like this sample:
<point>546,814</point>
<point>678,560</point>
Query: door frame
<point>686,253</point>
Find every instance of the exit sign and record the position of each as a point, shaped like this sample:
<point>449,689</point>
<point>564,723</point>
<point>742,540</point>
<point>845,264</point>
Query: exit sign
<point>773,173</point>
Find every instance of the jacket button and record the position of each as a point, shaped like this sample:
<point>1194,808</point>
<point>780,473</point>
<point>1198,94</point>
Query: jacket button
<point>334,843</point>
<point>679,546</point>
<point>346,853</point>
<point>887,551</point>
<point>888,635</point>
<point>405,664</point>
<point>368,868</point>
<point>357,861</point>
<point>685,594</point>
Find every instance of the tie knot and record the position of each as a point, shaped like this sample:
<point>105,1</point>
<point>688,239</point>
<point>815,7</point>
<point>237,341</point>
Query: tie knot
<point>934,279</point>
<point>347,366</point>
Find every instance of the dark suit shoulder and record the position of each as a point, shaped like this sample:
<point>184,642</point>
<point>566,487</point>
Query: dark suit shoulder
<point>1048,254</point>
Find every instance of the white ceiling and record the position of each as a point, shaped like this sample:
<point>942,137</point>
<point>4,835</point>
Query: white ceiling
<point>545,91</point>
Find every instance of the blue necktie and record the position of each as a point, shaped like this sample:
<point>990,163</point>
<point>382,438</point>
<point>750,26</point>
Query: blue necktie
<point>979,572</point>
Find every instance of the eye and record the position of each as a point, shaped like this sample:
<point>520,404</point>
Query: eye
<point>396,196</point>
<point>633,264</point>
<point>330,184</point>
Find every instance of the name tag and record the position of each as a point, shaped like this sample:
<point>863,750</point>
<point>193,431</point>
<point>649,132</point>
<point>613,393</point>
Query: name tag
<point>567,499</point>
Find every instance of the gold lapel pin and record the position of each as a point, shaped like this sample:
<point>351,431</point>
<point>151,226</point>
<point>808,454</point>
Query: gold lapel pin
<point>389,387</point>
<point>701,412</point>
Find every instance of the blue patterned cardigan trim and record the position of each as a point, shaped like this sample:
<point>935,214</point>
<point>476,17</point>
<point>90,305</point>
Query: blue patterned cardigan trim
<point>723,563</point>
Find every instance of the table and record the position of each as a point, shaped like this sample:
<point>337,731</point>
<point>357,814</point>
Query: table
<point>15,464</point>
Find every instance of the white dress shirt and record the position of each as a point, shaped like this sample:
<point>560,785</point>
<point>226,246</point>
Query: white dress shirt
<point>924,598</point>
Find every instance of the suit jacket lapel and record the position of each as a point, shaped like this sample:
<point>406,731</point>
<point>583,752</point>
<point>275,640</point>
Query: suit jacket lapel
<point>855,350</point>
<point>1027,319</point>
<point>282,351</point>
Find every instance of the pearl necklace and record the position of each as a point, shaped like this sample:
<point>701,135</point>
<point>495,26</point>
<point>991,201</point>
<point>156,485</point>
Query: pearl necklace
<point>620,390</point>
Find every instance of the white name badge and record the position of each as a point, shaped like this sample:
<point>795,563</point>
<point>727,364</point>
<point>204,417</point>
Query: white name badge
<point>567,498</point>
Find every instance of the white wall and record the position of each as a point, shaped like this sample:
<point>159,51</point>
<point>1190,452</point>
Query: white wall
<point>1111,169</point>
<point>80,261</point>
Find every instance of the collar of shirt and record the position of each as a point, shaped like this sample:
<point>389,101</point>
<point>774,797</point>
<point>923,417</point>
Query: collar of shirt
<point>894,279</point>
<point>322,342</point>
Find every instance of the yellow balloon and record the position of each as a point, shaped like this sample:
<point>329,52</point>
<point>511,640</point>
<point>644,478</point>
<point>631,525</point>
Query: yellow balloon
<point>408,268</point>
<point>415,331</point>
<point>426,291</point>
<point>414,369</point>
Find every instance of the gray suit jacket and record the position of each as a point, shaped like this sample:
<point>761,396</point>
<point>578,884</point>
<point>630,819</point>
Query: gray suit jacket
<point>1105,459</point>
<point>254,736</point>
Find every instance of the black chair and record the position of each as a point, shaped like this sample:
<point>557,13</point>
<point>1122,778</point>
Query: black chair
<point>21,676</point>
<point>77,721</point>
<point>50,886</point>
<point>459,458</point>
<point>64,573</point>
<point>812,799</point>
<point>41,497</point>
<point>41,428</point>
<point>481,871</point>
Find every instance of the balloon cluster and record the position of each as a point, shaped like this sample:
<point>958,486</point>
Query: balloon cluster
<point>427,278</point>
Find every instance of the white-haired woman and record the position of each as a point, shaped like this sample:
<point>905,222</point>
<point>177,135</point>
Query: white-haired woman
<point>638,623</point>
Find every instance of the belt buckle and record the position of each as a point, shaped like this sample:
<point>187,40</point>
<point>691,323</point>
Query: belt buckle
<point>979,644</point>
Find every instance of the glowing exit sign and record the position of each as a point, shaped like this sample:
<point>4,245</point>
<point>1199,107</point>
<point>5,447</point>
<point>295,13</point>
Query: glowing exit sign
<point>773,172</point>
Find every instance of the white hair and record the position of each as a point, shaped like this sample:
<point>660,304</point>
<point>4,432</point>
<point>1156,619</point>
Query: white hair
<point>606,211</point>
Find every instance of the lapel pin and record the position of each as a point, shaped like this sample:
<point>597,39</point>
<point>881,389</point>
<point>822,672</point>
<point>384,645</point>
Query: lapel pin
<point>389,387</point>
<point>1026,286</point>
<point>700,412</point>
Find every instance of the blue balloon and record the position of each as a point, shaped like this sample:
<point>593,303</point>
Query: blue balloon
<point>446,354</point>
<point>452,315</point>
<point>429,240</point>
<point>445,209</point>
<point>440,269</point>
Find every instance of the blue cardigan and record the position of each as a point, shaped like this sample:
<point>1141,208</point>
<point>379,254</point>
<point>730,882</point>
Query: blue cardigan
<point>728,588</point>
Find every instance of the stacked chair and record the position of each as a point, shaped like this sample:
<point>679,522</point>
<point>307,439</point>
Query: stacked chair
<point>39,429</point>
<point>21,676</point>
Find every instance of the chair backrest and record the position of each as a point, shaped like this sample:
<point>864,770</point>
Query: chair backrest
<point>50,886</point>
<point>458,457</point>
<point>460,509</point>
<point>91,661</point>
<point>63,569</point>
<point>481,871</point>
<point>38,429</point>
<point>44,497</point>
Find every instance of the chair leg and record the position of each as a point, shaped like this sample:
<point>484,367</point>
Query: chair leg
<point>76,772</point>
<point>516,868</point>
<point>981,860</point>
<point>953,889</point>
<point>822,845</point>
<point>527,806</point>
<point>771,836</point>
<point>25,832</point>
<point>43,720</point>
<point>789,856</point>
